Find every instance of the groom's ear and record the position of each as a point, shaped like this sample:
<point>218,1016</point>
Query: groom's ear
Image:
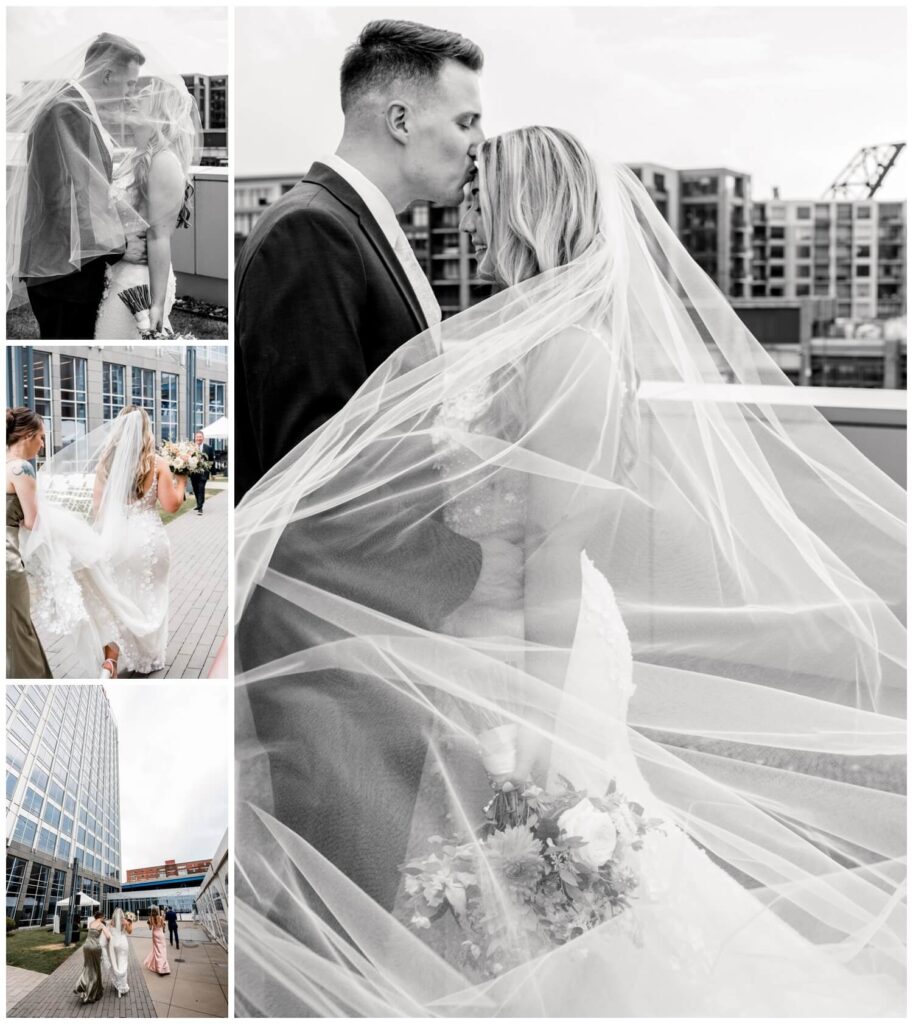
<point>397,120</point>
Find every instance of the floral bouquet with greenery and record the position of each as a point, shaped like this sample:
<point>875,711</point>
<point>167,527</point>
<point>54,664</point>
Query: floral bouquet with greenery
<point>138,300</point>
<point>547,866</point>
<point>185,458</point>
<point>130,916</point>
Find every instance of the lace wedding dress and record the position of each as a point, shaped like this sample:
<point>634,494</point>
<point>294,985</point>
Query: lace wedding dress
<point>115,322</point>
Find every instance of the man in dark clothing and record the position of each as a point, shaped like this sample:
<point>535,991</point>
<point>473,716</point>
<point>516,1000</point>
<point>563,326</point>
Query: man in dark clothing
<point>172,918</point>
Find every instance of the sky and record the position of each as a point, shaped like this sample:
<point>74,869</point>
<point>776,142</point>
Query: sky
<point>175,749</point>
<point>189,39</point>
<point>787,95</point>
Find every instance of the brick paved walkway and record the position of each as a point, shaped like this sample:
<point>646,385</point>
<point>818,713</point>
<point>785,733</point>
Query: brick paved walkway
<point>198,599</point>
<point>54,997</point>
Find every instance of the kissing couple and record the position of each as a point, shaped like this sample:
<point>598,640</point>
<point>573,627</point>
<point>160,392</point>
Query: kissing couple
<point>556,640</point>
<point>101,147</point>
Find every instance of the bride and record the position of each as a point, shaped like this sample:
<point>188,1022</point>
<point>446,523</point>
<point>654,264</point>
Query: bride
<point>154,187</point>
<point>116,951</point>
<point>703,669</point>
<point>102,585</point>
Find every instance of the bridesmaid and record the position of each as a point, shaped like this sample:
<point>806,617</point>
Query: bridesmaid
<point>90,985</point>
<point>25,657</point>
<point>157,960</point>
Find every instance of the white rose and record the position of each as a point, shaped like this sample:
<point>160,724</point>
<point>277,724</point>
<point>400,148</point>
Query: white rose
<point>595,828</point>
<point>498,748</point>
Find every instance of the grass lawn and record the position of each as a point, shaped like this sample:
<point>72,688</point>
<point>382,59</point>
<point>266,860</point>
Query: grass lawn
<point>190,502</point>
<point>38,950</point>
<point>22,326</point>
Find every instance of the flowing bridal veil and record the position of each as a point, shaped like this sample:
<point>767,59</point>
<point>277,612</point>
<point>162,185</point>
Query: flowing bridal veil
<point>78,153</point>
<point>98,555</point>
<point>705,636</point>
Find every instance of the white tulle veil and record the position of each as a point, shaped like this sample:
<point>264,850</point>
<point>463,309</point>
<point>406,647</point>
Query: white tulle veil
<point>73,154</point>
<point>84,537</point>
<point>757,559</point>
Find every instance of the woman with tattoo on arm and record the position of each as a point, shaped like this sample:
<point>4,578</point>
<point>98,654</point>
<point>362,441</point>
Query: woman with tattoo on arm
<point>25,658</point>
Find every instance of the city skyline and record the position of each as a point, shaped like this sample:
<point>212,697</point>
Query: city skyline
<point>785,95</point>
<point>174,784</point>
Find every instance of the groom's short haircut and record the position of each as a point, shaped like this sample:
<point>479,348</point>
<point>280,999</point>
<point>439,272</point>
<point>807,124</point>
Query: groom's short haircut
<point>388,50</point>
<point>108,50</point>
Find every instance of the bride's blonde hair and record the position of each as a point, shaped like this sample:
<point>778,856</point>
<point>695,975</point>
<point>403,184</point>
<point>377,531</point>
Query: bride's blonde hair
<point>168,111</point>
<point>146,462</point>
<point>540,203</point>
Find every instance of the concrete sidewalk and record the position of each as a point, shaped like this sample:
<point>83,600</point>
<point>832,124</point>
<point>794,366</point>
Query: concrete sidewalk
<point>19,982</point>
<point>54,996</point>
<point>198,593</point>
<point>198,983</point>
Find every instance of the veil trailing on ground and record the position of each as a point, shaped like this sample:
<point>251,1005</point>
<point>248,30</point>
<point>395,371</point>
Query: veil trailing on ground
<point>75,132</point>
<point>615,422</point>
<point>85,540</point>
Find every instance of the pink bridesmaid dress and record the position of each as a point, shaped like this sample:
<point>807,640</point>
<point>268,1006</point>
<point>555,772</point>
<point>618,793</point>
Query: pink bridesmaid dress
<point>157,960</point>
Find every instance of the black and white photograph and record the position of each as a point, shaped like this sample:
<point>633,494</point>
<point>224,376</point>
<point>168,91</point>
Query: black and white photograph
<point>570,411</point>
<point>117,512</point>
<point>117,858</point>
<point>117,173</point>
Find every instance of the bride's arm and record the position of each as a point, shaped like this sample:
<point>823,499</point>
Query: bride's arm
<point>22,475</point>
<point>170,487</point>
<point>166,187</point>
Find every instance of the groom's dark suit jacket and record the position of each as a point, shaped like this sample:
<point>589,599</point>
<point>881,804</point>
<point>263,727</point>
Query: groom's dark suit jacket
<point>321,302</point>
<point>65,151</point>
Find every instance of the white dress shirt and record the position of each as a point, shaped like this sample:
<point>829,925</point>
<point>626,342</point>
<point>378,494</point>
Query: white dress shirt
<point>93,113</point>
<point>382,211</point>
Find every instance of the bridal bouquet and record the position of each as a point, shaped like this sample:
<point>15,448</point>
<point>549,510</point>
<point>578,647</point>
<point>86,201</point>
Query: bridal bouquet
<point>547,866</point>
<point>184,458</point>
<point>139,301</point>
<point>130,916</point>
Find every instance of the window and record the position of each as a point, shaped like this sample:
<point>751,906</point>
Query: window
<point>776,271</point>
<point>777,252</point>
<point>39,777</point>
<point>74,418</point>
<point>37,388</point>
<point>143,390</point>
<point>420,216</point>
<point>169,407</point>
<point>32,802</point>
<point>804,270</point>
<point>776,291</point>
<point>114,389</point>
<point>51,815</point>
<point>863,213</point>
<point>863,290</point>
<point>863,252</point>
<point>803,213</point>
<point>67,826</point>
<point>198,404</point>
<point>22,731</point>
<point>14,755</point>
<point>11,780</point>
<point>659,182</point>
<point>25,831</point>
<point>80,835</point>
<point>15,873</point>
<point>47,841</point>
<point>804,252</point>
<point>216,410</point>
<point>35,892</point>
<point>55,792</point>
<point>863,270</point>
<point>777,231</point>
<point>803,290</point>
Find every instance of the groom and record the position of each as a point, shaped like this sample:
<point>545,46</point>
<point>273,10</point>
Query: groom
<point>327,289</point>
<point>70,169</point>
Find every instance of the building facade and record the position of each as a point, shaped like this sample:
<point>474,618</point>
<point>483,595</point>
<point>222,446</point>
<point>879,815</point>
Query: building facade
<point>850,251</point>
<point>77,388</point>
<point>211,95</point>
<point>62,798</point>
<point>170,869</point>
<point>253,195</point>
<point>178,893</point>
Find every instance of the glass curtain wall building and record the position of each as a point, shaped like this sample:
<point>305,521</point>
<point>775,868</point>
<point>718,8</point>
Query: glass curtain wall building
<point>212,900</point>
<point>62,798</point>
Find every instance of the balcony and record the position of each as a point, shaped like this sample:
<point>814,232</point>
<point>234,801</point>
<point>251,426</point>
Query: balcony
<point>874,420</point>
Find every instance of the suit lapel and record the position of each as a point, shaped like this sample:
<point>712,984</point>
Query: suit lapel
<point>102,145</point>
<point>327,178</point>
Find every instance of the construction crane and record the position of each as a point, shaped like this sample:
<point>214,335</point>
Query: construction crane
<point>863,175</point>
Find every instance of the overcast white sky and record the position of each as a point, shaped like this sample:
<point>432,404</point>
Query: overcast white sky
<point>785,94</point>
<point>175,746</point>
<point>191,39</point>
